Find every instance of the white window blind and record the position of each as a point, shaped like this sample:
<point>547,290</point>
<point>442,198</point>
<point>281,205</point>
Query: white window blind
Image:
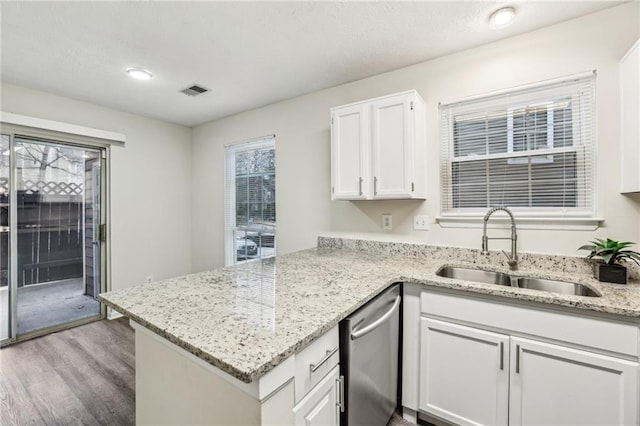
<point>250,200</point>
<point>529,149</point>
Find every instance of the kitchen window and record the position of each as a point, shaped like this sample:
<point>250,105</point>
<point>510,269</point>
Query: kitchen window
<point>250,200</point>
<point>529,149</point>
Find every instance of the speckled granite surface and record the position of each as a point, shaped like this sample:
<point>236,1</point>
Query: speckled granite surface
<point>246,319</point>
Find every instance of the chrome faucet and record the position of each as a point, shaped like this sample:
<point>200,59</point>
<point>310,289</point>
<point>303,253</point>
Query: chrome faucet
<point>513,259</point>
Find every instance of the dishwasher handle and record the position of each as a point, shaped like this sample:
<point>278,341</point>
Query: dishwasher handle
<point>357,334</point>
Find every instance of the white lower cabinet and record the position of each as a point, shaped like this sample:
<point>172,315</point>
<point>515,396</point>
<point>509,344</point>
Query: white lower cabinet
<point>320,406</point>
<point>175,387</point>
<point>482,362</point>
<point>466,373</point>
<point>317,382</point>
<point>556,385</point>
<point>471,376</point>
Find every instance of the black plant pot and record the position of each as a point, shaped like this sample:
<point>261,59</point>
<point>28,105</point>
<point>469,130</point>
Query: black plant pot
<point>611,273</point>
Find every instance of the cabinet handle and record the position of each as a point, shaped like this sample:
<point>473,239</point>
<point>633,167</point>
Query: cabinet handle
<point>501,355</point>
<point>360,186</point>
<point>375,185</point>
<point>340,403</point>
<point>314,367</point>
<point>517,359</point>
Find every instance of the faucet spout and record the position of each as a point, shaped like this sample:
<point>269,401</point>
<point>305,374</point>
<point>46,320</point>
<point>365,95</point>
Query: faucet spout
<point>512,260</point>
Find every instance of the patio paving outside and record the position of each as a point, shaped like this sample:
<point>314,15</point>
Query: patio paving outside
<point>52,303</point>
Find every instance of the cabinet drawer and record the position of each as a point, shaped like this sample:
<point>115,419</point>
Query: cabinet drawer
<point>596,333</point>
<point>315,362</point>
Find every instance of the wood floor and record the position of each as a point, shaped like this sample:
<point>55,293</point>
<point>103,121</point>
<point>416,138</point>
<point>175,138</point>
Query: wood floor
<point>81,376</point>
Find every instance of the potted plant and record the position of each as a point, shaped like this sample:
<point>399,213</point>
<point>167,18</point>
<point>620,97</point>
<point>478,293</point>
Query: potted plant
<point>612,253</point>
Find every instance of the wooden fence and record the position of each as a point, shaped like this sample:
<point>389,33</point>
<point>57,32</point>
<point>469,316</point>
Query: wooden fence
<point>50,239</point>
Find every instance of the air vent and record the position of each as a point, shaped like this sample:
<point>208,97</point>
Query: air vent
<point>194,90</point>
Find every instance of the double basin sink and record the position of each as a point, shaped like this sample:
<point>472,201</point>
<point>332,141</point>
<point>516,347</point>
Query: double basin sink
<point>499,278</point>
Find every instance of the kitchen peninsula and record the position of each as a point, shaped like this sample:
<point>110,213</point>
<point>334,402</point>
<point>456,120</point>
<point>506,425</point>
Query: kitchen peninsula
<point>221,346</point>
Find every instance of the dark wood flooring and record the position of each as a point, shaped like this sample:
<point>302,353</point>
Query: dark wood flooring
<point>81,376</point>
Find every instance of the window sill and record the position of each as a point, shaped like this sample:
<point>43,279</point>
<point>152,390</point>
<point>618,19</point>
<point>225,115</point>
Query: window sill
<point>545,223</point>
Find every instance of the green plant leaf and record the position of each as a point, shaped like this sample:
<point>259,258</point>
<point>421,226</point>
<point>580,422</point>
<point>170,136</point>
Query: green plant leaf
<point>603,251</point>
<point>619,246</point>
<point>630,255</point>
<point>611,251</point>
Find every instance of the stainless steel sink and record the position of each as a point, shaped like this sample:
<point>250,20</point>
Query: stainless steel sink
<point>553,286</point>
<point>475,275</point>
<point>499,278</point>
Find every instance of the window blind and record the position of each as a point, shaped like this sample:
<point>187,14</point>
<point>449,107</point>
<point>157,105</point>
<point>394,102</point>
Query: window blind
<point>250,200</point>
<point>529,149</point>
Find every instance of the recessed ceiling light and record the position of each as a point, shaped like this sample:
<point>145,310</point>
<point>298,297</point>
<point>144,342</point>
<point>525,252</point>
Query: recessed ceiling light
<point>502,17</point>
<point>139,74</point>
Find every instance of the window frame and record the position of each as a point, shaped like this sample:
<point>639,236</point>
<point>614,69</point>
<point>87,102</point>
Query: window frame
<point>510,131</point>
<point>583,146</point>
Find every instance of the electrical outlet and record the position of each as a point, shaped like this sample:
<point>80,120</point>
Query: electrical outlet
<point>387,222</point>
<point>421,222</point>
<point>149,278</point>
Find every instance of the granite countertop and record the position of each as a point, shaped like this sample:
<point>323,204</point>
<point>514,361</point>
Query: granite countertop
<point>246,319</point>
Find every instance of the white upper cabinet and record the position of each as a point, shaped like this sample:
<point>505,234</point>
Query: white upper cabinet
<point>392,138</point>
<point>630,113</point>
<point>349,152</point>
<point>378,149</point>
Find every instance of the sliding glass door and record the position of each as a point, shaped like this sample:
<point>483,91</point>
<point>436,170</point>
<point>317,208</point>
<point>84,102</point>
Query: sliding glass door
<point>5,300</point>
<point>51,244</point>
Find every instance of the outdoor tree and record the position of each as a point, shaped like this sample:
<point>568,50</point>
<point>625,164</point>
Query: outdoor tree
<point>43,157</point>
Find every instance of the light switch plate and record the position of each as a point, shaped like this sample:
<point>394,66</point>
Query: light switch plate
<point>421,222</point>
<point>387,222</point>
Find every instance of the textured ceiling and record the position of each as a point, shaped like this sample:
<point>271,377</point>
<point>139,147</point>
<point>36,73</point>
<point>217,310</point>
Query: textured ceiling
<point>249,54</point>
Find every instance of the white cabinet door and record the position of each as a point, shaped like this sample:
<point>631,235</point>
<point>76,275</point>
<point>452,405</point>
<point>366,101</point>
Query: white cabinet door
<point>392,136</point>
<point>464,373</point>
<point>555,385</point>
<point>349,152</point>
<point>320,406</point>
<point>630,121</point>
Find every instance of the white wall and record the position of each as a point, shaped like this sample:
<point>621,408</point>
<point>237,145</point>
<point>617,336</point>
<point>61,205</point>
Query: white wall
<point>301,125</point>
<point>150,184</point>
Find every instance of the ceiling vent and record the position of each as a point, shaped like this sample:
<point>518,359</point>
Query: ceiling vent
<point>194,90</point>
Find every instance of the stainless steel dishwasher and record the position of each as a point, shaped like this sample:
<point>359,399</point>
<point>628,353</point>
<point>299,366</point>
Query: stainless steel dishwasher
<point>369,349</point>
